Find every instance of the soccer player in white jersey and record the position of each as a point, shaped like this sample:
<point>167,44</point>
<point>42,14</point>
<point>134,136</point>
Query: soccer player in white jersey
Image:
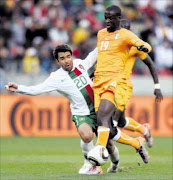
<point>72,81</point>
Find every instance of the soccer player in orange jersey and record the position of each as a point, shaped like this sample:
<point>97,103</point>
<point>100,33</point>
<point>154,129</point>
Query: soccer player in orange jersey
<point>127,122</point>
<point>110,83</point>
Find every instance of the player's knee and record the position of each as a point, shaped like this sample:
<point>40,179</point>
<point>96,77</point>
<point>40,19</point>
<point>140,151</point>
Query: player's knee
<point>86,133</point>
<point>102,120</point>
<point>87,138</point>
<point>103,116</point>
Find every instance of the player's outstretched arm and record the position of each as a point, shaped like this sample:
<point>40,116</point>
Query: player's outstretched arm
<point>157,90</point>
<point>11,87</point>
<point>90,60</point>
<point>138,43</point>
<point>50,84</point>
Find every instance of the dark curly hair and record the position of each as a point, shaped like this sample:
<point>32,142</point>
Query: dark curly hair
<point>61,48</point>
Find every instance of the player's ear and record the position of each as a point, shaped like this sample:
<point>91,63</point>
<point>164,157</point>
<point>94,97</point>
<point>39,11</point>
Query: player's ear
<point>119,18</point>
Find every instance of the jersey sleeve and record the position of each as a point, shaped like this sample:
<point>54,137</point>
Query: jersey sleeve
<point>142,55</point>
<point>50,84</point>
<point>134,40</point>
<point>89,61</point>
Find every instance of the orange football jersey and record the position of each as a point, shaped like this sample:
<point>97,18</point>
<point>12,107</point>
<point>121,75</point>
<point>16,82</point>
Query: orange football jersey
<point>113,50</point>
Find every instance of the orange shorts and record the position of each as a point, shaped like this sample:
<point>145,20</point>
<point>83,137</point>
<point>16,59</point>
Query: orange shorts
<point>128,92</point>
<point>111,90</point>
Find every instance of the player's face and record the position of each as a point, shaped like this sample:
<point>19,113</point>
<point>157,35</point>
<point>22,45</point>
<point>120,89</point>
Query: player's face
<point>112,21</point>
<point>65,60</point>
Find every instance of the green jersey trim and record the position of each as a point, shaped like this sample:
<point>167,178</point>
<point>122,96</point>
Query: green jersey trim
<point>86,91</point>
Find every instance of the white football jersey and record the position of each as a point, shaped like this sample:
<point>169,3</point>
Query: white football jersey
<point>75,85</point>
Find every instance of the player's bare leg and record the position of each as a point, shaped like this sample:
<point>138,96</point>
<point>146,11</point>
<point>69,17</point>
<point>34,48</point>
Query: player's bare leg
<point>86,133</point>
<point>114,156</point>
<point>104,114</point>
<point>137,143</point>
<point>130,124</point>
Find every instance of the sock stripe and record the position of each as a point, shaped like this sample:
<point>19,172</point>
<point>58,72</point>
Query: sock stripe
<point>117,136</point>
<point>134,126</point>
<point>103,130</point>
<point>126,138</point>
<point>127,122</point>
<point>115,123</point>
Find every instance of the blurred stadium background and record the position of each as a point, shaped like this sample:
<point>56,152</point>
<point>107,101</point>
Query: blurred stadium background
<point>30,29</point>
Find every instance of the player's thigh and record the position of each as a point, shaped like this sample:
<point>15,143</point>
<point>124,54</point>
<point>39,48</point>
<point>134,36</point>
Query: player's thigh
<point>86,133</point>
<point>108,96</point>
<point>106,109</point>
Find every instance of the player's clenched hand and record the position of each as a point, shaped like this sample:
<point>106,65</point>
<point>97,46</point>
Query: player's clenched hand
<point>142,48</point>
<point>11,87</point>
<point>158,95</point>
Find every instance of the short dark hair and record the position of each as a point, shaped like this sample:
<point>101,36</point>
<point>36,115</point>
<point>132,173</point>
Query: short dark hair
<point>125,23</point>
<point>61,48</point>
<point>114,8</point>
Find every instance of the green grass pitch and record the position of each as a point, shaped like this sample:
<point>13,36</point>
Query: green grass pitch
<point>60,158</point>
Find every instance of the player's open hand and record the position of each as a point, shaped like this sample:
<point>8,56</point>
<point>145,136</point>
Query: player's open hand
<point>158,94</point>
<point>142,48</point>
<point>11,87</point>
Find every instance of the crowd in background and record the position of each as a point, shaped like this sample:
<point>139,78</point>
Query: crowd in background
<point>30,29</point>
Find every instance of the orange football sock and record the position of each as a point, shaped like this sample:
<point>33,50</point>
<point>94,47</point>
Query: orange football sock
<point>135,126</point>
<point>125,139</point>
<point>103,134</point>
